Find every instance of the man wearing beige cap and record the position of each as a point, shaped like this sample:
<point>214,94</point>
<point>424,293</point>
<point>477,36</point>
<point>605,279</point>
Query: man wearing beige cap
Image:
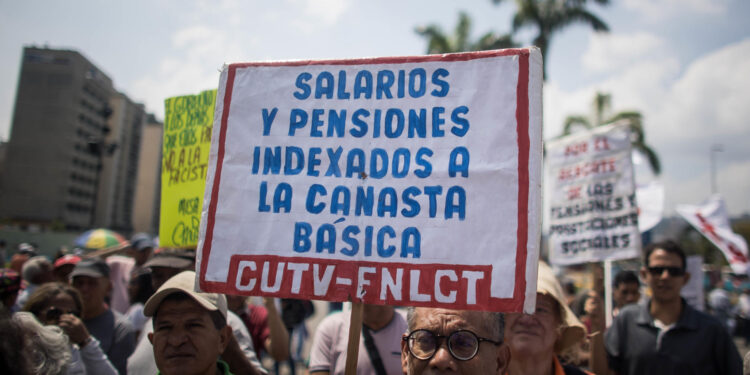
<point>190,328</point>
<point>167,264</point>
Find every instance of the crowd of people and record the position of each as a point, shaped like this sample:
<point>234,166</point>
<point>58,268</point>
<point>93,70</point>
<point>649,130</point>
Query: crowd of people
<point>137,312</point>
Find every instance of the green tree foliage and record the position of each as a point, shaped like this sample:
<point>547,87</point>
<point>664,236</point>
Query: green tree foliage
<point>601,116</point>
<point>439,42</point>
<point>549,17</point>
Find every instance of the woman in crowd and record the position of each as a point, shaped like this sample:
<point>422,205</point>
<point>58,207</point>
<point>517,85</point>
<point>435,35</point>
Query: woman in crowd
<point>60,305</point>
<point>538,341</point>
<point>12,357</point>
<point>46,348</point>
<point>590,310</point>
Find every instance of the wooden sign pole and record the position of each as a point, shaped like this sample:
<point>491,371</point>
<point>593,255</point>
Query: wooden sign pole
<point>608,292</point>
<point>355,328</point>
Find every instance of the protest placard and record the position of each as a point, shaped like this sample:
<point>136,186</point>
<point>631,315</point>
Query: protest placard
<point>593,210</point>
<point>405,181</point>
<point>187,138</point>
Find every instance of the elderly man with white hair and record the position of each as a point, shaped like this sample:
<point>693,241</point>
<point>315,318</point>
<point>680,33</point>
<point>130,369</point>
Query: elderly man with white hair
<point>36,271</point>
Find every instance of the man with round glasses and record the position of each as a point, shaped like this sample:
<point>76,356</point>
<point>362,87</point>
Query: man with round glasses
<point>665,335</point>
<point>454,341</point>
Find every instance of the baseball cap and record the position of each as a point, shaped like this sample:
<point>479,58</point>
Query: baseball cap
<point>10,281</point>
<point>67,259</point>
<point>26,248</point>
<point>184,282</point>
<point>91,267</point>
<point>172,258</point>
<point>141,241</point>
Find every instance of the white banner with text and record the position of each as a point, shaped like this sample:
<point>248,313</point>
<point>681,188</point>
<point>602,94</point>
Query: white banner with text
<point>404,181</point>
<point>593,210</point>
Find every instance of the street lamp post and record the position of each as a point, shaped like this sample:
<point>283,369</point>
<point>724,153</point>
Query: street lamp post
<point>714,149</point>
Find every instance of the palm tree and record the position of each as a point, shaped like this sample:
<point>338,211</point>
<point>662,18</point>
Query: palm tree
<point>602,108</point>
<point>550,16</point>
<point>439,42</point>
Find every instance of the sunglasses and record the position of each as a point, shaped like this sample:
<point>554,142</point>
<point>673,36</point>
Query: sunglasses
<point>54,314</point>
<point>672,271</point>
<point>463,345</point>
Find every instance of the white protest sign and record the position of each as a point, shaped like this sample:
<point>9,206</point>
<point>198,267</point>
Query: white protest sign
<point>593,211</point>
<point>405,181</point>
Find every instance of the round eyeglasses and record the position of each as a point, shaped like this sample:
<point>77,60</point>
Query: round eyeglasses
<point>462,344</point>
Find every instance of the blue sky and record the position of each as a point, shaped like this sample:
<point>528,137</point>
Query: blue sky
<point>682,63</point>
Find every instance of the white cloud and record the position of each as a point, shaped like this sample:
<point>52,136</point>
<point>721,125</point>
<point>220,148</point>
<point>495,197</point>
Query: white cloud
<point>193,65</point>
<point>635,88</point>
<point>317,13</point>
<point>711,96</point>
<point>733,183</point>
<point>609,52</point>
<point>559,104</point>
<point>663,9</point>
<point>185,37</point>
<point>228,33</point>
<point>228,12</point>
<point>327,11</point>
<point>684,114</point>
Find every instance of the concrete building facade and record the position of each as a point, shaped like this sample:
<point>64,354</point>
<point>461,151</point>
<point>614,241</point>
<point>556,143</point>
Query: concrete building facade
<point>52,170</point>
<point>120,152</point>
<point>73,154</point>
<point>148,185</point>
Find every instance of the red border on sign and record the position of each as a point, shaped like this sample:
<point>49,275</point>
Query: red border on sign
<point>522,128</point>
<point>450,57</point>
<point>425,282</point>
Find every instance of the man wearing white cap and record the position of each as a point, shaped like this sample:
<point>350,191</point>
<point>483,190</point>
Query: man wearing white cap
<point>239,354</point>
<point>190,328</point>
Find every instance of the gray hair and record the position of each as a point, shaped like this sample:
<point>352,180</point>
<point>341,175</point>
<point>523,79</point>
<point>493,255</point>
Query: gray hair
<point>34,268</point>
<point>492,321</point>
<point>46,346</point>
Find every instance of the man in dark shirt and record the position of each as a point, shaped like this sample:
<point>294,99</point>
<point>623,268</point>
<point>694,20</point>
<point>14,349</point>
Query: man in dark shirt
<point>665,335</point>
<point>114,332</point>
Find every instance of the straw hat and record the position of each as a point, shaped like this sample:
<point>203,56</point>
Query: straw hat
<point>572,330</point>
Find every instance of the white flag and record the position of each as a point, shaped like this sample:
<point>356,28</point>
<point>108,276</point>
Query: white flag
<point>650,198</point>
<point>711,220</point>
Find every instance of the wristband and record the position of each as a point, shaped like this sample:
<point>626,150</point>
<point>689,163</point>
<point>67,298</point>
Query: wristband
<point>85,342</point>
